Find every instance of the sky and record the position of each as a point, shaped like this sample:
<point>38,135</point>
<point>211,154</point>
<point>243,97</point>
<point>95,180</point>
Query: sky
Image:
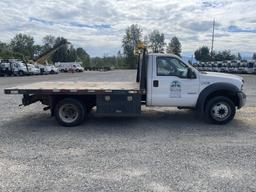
<point>99,25</point>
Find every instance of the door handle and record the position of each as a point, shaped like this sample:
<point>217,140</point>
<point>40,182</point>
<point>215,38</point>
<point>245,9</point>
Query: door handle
<point>155,83</point>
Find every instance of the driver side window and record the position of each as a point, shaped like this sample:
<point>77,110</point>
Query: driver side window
<point>170,66</point>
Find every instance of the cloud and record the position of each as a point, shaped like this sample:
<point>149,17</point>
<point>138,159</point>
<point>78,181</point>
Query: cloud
<point>200,26</point>
<point>236,29</point>
<point>71,24</point>
<point>32,19</point>
<point>98,25</point>
<point>213,4</point>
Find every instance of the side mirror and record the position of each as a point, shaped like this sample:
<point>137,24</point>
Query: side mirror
<point>191,74</point>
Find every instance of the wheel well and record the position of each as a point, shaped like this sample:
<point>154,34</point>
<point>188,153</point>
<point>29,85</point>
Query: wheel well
<point>231,95</point>
<point>87,100</point>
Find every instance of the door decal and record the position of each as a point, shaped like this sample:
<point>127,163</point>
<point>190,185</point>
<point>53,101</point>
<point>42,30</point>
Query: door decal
<point>175,89</point>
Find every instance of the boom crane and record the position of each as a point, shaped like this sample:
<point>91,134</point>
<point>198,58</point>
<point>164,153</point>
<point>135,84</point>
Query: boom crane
<point>44,56</point>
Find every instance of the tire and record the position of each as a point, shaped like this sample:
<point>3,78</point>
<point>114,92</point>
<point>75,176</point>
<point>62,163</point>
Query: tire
<point>70,112</point>
<point>220,110</point>
<point>21,73</point>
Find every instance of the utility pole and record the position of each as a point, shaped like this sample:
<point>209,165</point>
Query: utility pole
<point>213,35</point>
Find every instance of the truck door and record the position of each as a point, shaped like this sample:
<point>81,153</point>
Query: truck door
<point>171,85</point>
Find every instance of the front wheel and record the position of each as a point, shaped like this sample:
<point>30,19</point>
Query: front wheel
<point>220,110</point>
<point>69,112</point>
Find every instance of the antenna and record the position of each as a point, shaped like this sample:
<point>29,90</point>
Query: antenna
<point>213,35</point>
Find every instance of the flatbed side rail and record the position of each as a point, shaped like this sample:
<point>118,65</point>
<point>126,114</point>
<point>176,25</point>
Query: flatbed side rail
<point>69,91</point>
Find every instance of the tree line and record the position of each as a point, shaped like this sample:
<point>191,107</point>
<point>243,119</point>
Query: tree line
<point>204,54</point>
<point>23,47</point>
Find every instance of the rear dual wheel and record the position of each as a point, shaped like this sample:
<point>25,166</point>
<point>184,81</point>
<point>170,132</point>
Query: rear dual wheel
<point>70,112</point>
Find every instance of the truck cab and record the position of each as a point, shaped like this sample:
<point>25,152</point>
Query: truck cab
<point>33,70</point>
<point>12,67</point>
<point>5,68</point>
<point>42,68</point>
<point>69,66</point>
<point>51,69</point>
<point>78,68</point>
<point>19,68</point>
<point>174,83</point>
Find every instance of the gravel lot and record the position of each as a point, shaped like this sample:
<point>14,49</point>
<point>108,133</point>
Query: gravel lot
<point>163,150</point>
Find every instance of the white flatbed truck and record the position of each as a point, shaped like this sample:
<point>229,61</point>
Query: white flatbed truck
<point>162,81</point>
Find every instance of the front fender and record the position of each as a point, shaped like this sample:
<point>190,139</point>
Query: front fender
<point>227,88</point>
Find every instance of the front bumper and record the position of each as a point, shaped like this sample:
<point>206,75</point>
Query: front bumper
<point>242,99</point>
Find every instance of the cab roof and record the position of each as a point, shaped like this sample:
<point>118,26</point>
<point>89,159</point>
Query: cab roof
<point>164,55</point>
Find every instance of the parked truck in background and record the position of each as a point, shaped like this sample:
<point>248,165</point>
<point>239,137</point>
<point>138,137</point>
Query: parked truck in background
<point>33,70</point>
<point>47,69</point>
<point>5,68</point>
<point>14,67</point>
<point>215,67</point>
<point>51,69</point>
<point>250,67</point>
<point>42,68</point>
<point>69,66</point>
<point>162,81</point>
<point>219,66</point>
<point>241,65</point>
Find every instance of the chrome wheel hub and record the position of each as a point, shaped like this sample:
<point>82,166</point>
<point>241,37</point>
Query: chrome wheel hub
<point>68,113</point>
<point>220,111</point>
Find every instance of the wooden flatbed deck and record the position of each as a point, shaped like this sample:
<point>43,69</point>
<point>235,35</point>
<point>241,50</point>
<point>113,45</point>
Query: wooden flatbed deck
<point>74,87</point>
